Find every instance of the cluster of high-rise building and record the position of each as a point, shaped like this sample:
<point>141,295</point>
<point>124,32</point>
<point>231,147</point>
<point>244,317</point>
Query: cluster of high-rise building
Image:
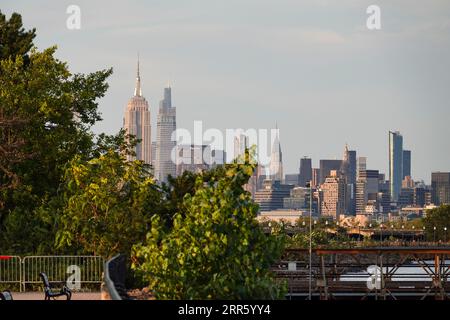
<point>346,187</point>
<point>337,188</point>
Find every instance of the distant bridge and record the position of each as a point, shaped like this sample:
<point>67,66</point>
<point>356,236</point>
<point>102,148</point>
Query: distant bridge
<point>381,273</point>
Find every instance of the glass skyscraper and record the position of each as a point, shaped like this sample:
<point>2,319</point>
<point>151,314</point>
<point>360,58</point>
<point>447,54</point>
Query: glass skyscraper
<point>395,164</point>
<point>406,163</point>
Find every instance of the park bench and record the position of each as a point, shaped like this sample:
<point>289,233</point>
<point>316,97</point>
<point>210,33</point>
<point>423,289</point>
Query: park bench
<point>50,293</point>
<point>6,295</point>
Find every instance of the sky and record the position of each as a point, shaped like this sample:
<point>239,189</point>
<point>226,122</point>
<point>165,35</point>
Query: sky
<point>312,67</point>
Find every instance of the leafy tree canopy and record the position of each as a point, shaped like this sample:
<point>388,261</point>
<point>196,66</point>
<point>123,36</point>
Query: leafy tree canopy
<point>46,113</point>
<point>14,40</point>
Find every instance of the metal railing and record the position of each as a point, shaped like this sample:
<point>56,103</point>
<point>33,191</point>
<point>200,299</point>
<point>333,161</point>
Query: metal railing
<point>25,271</point>
<point>11,270</point>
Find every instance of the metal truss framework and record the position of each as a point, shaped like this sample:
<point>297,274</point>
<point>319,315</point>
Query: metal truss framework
<point>336,273</point>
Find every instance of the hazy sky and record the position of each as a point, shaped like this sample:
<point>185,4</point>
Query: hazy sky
<point>311,66</point>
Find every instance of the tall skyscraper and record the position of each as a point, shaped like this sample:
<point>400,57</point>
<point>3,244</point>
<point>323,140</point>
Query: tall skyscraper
<point>165,164</point>
<point>348,169</point>
<point>440,188</point>
<point>395,164</point>
<point>137,122</point>
<point>305,171</point>
<point>406,163</point>
<point>349,165</point>
<point>276,161</point>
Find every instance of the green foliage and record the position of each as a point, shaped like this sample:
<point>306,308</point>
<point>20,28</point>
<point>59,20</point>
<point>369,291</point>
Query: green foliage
<point>14,40</point>
<point>45,118</point>
<point>301,240</point>
<point>107,199</point>
<point>438,218</point>
<point>215,249</point>
<point>175,190</point>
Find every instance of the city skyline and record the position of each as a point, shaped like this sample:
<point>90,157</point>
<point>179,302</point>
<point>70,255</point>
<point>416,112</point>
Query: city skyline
<point>167,111</point>
<point>315,63</point>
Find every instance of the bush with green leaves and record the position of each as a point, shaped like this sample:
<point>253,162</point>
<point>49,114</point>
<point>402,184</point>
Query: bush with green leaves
<point>215,249</point>
<point>106,204</point>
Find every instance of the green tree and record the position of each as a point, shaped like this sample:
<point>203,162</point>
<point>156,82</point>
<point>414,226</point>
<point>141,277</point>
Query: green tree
<point>14,40</point>
<point>215,249</point>
<point>106,203</point>
<point>438,218</point>
<point>45,118</point>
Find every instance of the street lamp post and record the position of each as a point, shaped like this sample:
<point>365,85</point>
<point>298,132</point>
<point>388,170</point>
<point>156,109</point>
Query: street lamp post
<point>434,234</point>
<point>445,234</point>
<point>381,233</point>
<point>310,241</point>
<point>423,234</point>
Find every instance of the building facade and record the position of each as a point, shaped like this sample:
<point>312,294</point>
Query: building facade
<point>305,171</point>
<point>298,199</point>
<point>361,165</point>
<point>348,169</point>
<point>326,166</point>
<point>291,178</point>
<point>165,161</point>
<point>366,189</point>
<point>406,163</point>
<point>395,164</point>
<point>271,196</point>
<point>440,188</point>
<point>333,194</point>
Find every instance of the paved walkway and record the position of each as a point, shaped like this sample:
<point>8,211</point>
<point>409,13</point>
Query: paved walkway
<point>40,296</point>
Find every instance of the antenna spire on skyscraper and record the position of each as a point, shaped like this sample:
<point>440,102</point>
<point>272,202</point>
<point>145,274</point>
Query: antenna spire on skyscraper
<point>137,89</point>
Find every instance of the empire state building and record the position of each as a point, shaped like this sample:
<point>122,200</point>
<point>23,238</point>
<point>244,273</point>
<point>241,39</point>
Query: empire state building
<point>137,122</point>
